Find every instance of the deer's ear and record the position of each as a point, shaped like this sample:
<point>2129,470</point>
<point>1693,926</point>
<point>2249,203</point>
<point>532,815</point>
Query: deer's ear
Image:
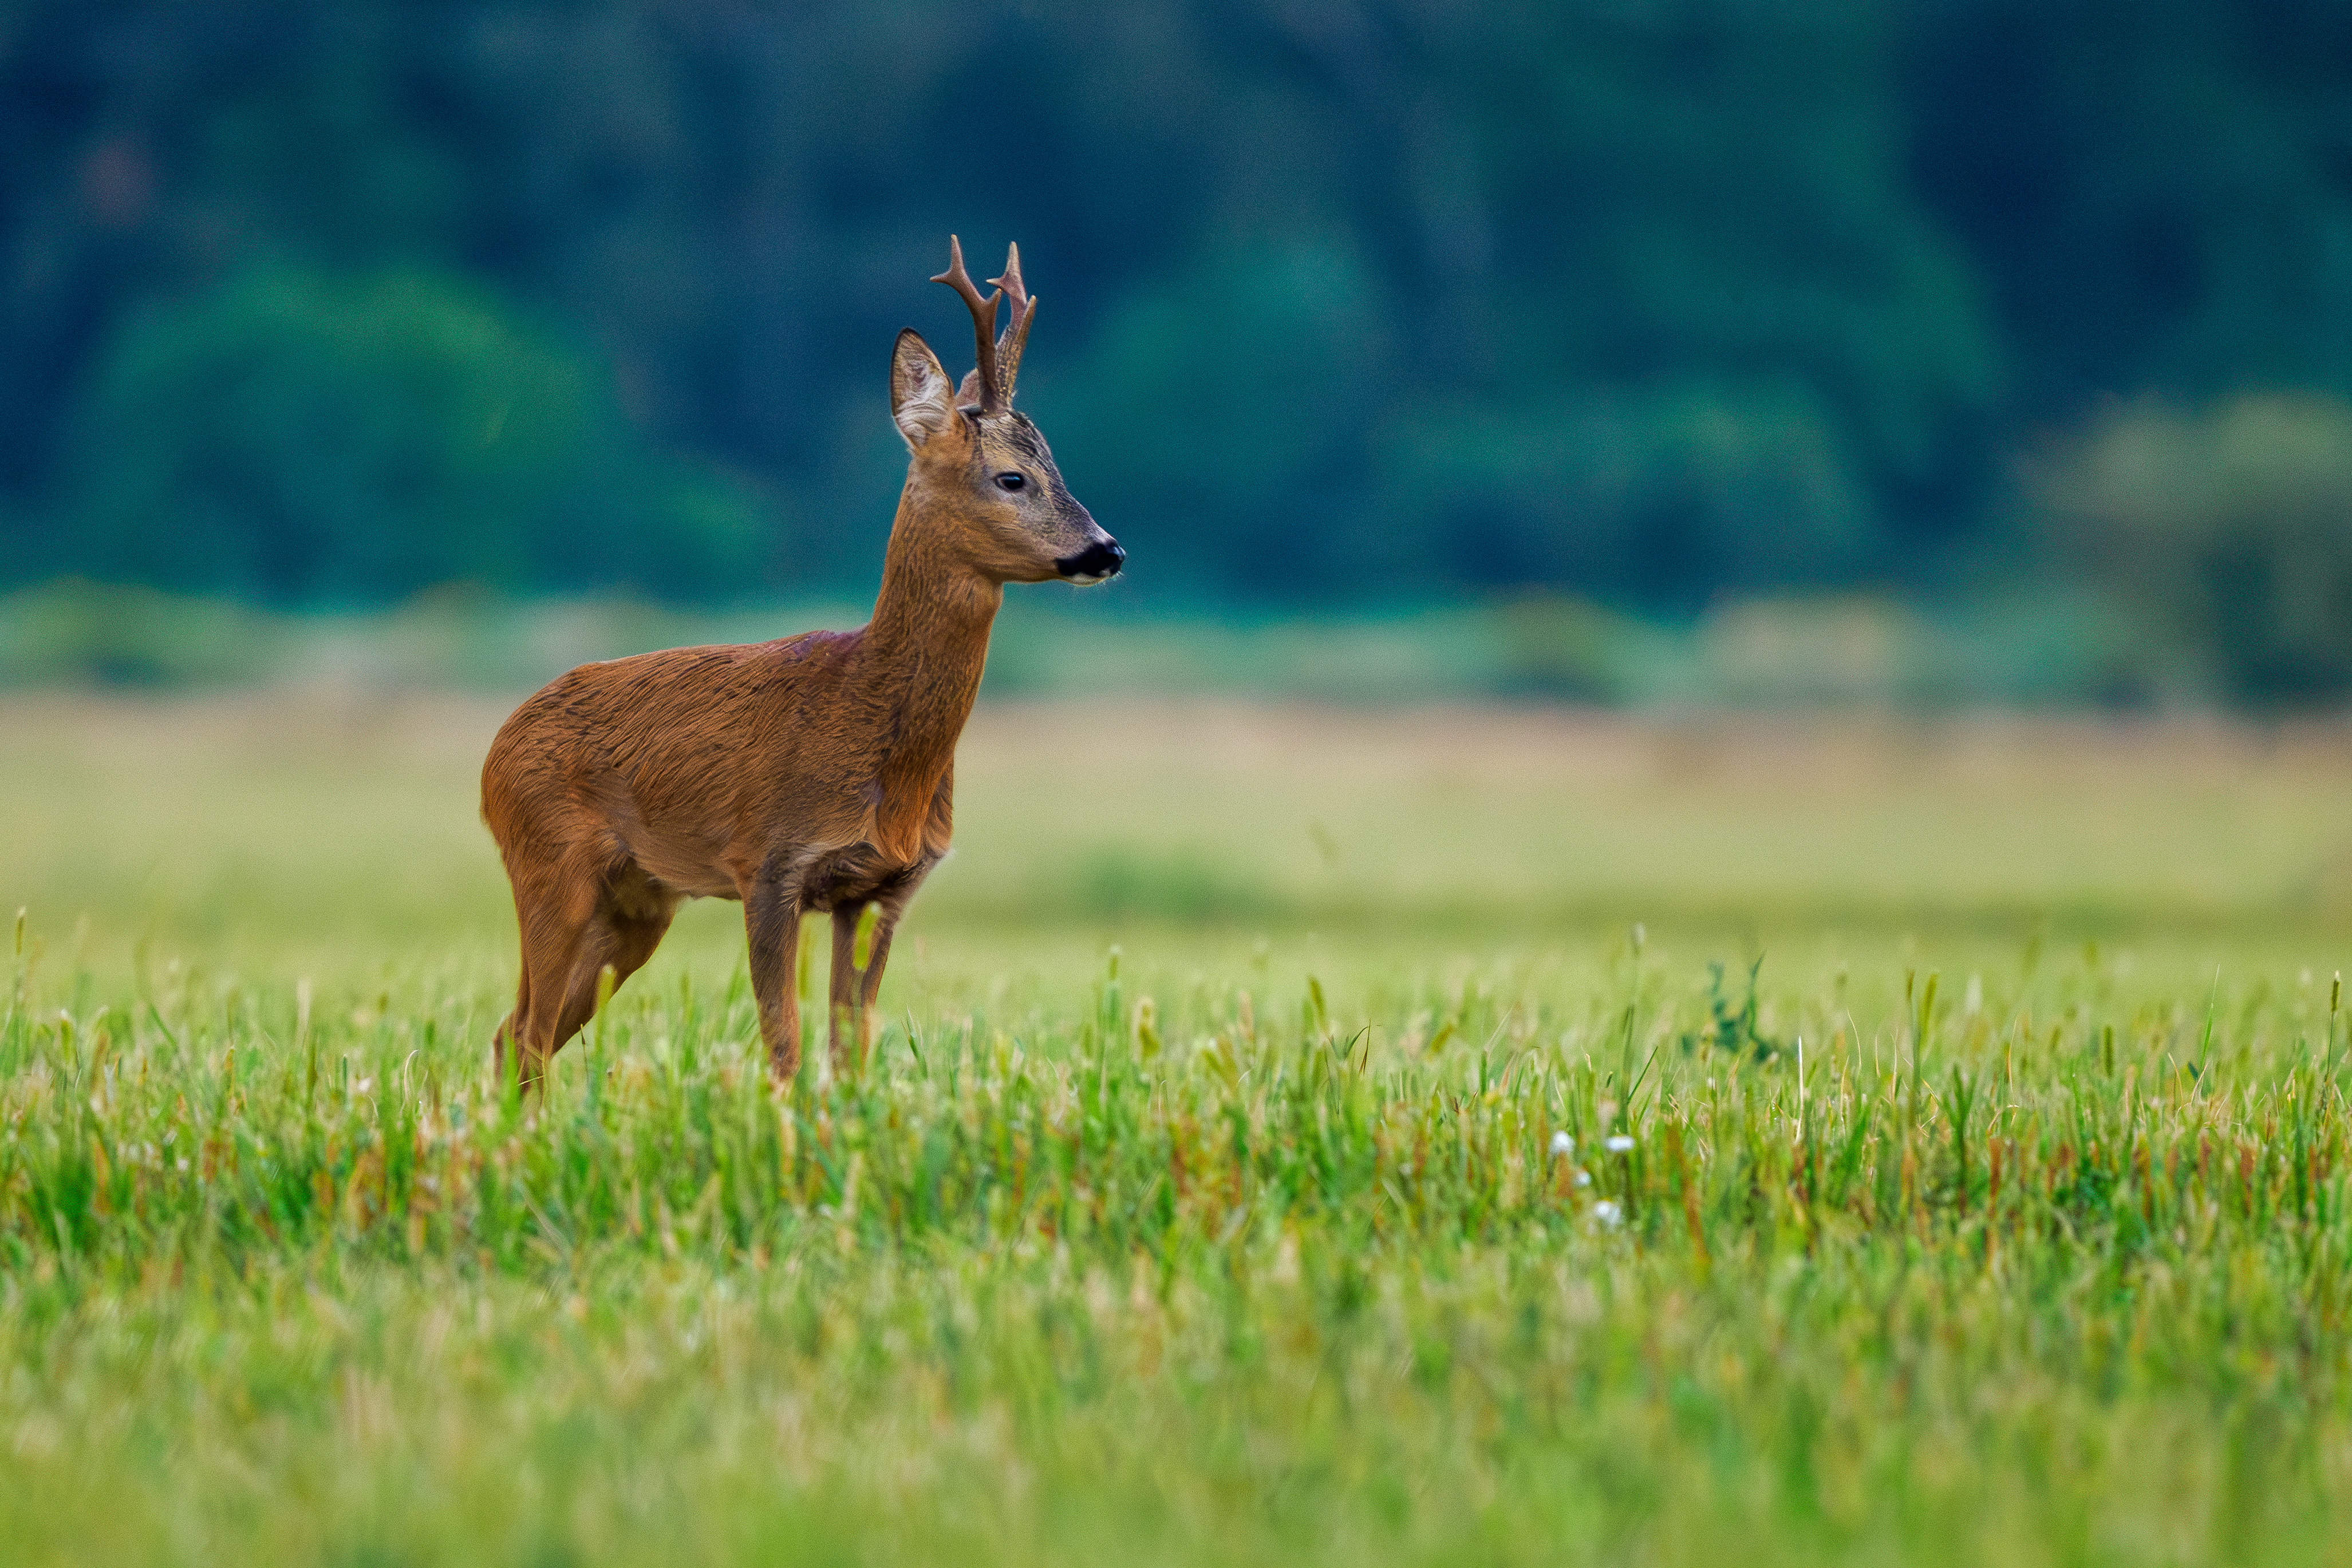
<point>922,398</point>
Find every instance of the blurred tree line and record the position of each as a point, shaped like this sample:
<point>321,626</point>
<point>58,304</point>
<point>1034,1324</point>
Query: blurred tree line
<point>1344,300</point>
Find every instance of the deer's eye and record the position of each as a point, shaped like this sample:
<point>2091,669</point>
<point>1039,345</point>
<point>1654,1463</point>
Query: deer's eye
<point>1011,481</point>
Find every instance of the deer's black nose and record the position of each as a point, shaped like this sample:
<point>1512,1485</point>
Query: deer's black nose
<point>1099,561</point>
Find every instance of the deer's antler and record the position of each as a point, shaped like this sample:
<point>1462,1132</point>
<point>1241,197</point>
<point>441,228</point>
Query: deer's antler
<point>1016,329</point>
<point>992,398</point>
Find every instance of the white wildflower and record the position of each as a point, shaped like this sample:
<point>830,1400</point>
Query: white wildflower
<point>1607,1212</point>
<point>1618,1144</point>
<point>1562,1145</point>
<point>1584,1178</point>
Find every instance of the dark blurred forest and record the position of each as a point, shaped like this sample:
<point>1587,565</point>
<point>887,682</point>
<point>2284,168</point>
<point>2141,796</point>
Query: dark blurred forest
<point>1344,301</point>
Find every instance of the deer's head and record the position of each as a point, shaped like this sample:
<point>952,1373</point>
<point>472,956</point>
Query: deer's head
<point>981,469</point>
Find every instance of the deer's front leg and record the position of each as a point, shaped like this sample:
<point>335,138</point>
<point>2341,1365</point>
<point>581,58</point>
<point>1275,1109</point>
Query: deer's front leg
<point>852,990</point>
<point>771,924</point>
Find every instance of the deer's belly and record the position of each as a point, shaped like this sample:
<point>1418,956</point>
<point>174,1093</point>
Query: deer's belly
<point>684,869</point>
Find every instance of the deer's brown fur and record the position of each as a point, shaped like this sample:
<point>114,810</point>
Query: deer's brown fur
<point>811,773</point>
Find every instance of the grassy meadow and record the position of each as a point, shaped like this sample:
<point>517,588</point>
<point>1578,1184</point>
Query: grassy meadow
<point>1301,1136</point>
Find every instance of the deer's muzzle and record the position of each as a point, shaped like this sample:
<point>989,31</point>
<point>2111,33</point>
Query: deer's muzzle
<point>1098,561</point>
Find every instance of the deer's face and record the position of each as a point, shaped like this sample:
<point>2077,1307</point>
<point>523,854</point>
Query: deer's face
<point>1036,529</point>
<point>991,479</point>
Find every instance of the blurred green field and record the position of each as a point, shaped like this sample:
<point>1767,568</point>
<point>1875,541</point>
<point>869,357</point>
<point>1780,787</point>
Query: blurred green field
<point>342,820</point>
<point>1234,1179</point>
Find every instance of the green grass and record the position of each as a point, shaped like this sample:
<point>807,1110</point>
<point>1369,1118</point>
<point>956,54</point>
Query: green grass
<point>1250,1243</point>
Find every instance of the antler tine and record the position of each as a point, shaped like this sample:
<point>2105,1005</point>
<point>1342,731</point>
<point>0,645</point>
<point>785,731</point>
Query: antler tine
<point>983,324</point>
<point>1017,327</point>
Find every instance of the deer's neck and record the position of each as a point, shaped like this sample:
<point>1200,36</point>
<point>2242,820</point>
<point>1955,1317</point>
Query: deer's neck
<point>927,643</point>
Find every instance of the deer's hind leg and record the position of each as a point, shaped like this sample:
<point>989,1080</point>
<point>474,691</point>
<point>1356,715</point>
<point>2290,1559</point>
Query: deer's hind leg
<point>552,909</point>
<point>616,919</point>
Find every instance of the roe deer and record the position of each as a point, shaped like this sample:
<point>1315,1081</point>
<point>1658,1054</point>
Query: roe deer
<point>812,773</point>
